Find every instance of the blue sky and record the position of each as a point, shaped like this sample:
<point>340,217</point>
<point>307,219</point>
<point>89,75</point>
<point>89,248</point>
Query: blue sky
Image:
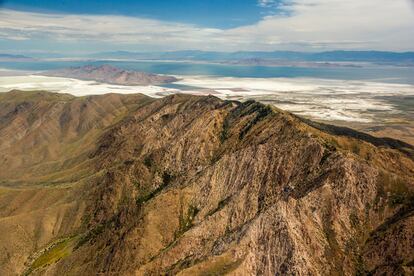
<point>76,27</point>
<point>206,13</point>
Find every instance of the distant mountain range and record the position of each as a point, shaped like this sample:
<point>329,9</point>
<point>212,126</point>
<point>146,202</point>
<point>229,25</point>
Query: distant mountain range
<point>247,57</point>
<point>7,57</point>
<point>350,56</point>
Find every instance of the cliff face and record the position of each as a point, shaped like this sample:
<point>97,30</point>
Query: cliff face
<point>199,186</point>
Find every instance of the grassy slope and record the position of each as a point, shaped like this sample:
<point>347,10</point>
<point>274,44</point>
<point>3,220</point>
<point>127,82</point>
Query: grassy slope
<point>45,167</point>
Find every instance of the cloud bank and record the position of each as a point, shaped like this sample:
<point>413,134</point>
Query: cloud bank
<point>298,25</point>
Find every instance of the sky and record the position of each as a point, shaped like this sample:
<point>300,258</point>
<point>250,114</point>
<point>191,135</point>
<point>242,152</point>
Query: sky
<point>86,26</point>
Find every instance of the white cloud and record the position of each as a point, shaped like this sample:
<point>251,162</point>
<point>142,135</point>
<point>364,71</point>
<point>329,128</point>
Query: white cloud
<point>311,25</point>
<point>368,24</point>
<point>266,3</point>
<point>115,29</point>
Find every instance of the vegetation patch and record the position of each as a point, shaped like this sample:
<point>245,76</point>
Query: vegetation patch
<point>225,131</point>
<point>354,220</point>
<point>333,250</point>
<point>149,161</point>
<point>244,109</point>
<point>90,235</point>
<point>261,112</point>
<point>186,220</point>
<point>52,254</point>
<point>166,179</point>
<point>393,188</point>
<point>185,223</point>
<point>219,265</point>
<point>181,265</point>
<point>404,212</point>
<point>348,133</point>
<point>220,206</point>
<point>128,162</point>
<point>136,183</point>
<point>356,147</point>
<point>310,184</point>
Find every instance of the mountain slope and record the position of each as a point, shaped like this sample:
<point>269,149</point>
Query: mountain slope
<point>44,165</point>
<point>196,185</point>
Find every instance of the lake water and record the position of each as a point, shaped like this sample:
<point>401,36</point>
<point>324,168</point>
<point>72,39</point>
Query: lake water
<point>388,74</point>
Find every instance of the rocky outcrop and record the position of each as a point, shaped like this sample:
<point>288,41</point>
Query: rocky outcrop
<point>193,185</point>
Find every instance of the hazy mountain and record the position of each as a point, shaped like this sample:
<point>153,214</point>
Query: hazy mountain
<point>197,55</point>
<point>131,185</point>
<point>362,56</point>
<point>110,74</point>
<point>372,56</point>
<point>8,57</point>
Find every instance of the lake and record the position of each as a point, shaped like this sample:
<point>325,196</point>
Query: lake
<point>377,73</point>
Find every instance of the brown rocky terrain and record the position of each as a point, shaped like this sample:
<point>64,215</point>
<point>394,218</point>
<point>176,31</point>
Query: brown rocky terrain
<point>110,74</point>
<point>190,185</point>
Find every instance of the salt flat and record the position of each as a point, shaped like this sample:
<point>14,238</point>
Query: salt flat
<point>74,86</point>
<point>330,100</point>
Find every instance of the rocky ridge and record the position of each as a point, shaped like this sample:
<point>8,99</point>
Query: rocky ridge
<point>192,185</point>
